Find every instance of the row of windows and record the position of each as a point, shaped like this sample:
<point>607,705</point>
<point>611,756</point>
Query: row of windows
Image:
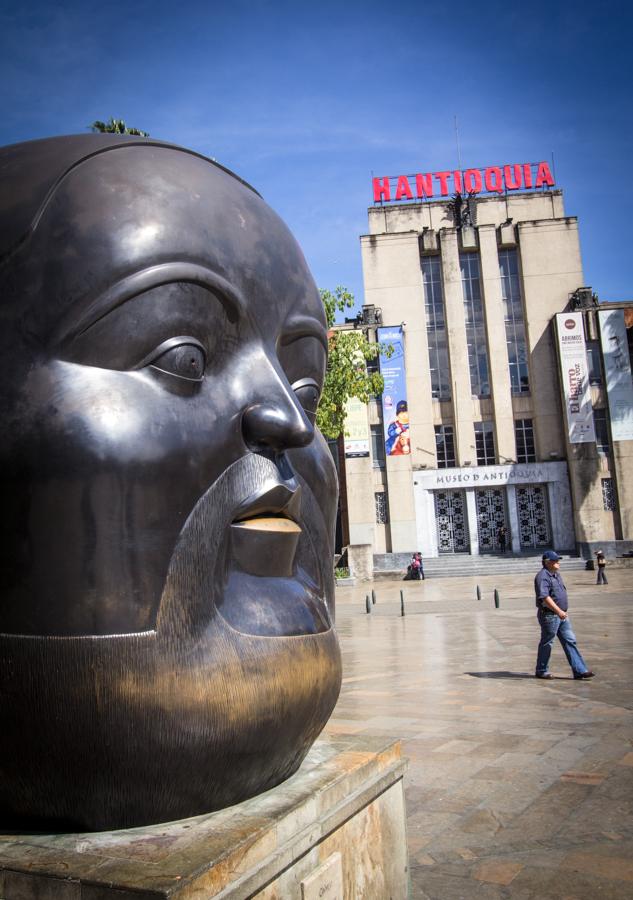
<point>475,324</point>
<point>484,443</point>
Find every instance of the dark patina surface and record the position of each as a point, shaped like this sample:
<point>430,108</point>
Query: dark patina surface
<point>166,640</point>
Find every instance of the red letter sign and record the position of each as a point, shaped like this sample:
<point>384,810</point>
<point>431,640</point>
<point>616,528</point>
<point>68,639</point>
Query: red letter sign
<point>404,188</point>
<point>544,176</point>
<point>424,185</point>
<point>381,189</point>
<point>494,179</point>
<point>443,177</point>
<point>527,175</point>
<point>512,175</point>
<point>472,181</point>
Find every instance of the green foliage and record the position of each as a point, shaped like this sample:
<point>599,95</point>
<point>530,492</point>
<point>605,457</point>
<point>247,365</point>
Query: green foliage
<point>116,126</point>
<point>347,375</point>
<point>342,572</point>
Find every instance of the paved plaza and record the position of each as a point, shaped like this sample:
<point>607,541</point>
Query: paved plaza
<point>516,788</point>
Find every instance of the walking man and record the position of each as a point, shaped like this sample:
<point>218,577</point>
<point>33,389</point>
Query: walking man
<point>551,601</point>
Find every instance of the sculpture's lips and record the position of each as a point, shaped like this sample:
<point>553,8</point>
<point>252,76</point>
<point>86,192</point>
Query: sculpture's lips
<point>265,545</point>
<point>273,499</point>
<point>274,585</point>
<point>280,524</point>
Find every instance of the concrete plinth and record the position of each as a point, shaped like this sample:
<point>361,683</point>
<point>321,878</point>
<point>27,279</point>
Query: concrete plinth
<point>334,830</point>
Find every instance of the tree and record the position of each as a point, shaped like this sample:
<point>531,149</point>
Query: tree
<point>116,126</point>
<point>347,375</point>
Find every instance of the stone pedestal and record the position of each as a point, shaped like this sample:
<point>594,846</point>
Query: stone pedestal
<point>361,561</point>
<point>334,831</point>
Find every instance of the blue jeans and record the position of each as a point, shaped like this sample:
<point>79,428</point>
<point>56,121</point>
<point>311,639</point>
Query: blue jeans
<point>552,627</point>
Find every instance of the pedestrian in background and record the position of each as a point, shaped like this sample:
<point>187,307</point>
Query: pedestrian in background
<point>552,605</point>
<point>602,568</point>
<point>501,538</point>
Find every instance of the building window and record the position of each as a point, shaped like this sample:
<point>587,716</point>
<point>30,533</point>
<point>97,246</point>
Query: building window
<point>444,446</point>
<point>377,447</point>
<point>382,513</point>
<point>513,317</point>
<point>436,327</point>
<point>524,438</point>
<point>603,445</point>
<point>475,329</point>
<point>608,494</point>
<point>593,361</point>
<point>485,443</point>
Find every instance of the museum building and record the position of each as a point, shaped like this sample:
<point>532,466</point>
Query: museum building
<point>486,421</point>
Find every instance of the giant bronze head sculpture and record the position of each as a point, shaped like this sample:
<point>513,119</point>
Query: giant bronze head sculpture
<point>166,599</point>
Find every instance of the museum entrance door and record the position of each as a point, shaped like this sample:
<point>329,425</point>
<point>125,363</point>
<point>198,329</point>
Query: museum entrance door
<point>452,522</point>
<point>491,516</point>
<point>532,509</point>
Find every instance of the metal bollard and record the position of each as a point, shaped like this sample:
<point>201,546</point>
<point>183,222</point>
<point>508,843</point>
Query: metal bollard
<point>367,603</point>
<point>373,597</point>
<point>478,592</point>
<point>496,599</point>
<point>401,602</point>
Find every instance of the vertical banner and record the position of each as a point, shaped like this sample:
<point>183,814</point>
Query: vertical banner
<point>356,429</point>
<point>617,367</point>
<point>395,408</point>
<point>575,378</point>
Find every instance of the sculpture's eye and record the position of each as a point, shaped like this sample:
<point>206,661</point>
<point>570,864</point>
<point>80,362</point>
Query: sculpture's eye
<point>182,357</point>
<point>308,394</point>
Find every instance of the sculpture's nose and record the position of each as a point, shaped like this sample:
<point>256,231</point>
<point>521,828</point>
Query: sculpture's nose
<point>276,423</point>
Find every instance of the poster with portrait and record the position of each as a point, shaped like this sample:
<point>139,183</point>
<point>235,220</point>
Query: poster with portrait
<point>395,407</point>
<point>617,368</point>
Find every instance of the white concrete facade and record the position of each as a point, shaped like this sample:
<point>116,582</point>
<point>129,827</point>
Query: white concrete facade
<point>492,334</point>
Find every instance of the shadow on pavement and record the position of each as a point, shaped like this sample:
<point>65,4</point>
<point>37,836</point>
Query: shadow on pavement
<point>503,674</point>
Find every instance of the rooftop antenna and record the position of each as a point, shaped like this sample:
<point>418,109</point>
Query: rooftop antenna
<point>459,155</point>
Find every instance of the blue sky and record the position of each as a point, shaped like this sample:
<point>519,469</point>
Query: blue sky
<point>304,101</point>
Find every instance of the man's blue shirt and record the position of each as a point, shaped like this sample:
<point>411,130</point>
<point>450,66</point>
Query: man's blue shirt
<point>550,584</point>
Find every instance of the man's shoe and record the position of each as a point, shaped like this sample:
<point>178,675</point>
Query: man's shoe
<point>546,676</point>
<point>583,675</point>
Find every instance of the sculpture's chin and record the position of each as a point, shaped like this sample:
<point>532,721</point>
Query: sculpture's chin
<point>274,606</point>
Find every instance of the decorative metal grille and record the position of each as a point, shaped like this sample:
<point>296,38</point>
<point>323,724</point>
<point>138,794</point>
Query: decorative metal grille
<point>534,528</point>
<point>491,516</point>
<point>608,494</point>
<point>452,525</point>
<point>382,516</point>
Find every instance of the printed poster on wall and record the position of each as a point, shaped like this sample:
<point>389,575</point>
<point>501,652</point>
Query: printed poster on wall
<point>617,366</point>
<point>395,408</point>
<point>356,429</point>
<point>575,378</point>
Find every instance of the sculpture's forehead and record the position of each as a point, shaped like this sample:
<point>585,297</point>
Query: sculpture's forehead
<point>140,206</point>
<point>132,208</point>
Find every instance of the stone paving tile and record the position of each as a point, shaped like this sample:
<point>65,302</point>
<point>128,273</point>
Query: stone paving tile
<point>504,770</point>
<point>497,871</point>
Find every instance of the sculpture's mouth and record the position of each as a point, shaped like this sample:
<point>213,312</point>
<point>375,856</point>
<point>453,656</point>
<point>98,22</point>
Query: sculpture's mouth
<point>275,583</point>
<point>265,545</point>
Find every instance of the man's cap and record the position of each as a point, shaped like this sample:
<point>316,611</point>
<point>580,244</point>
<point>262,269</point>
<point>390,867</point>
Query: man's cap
<point>402,406</point>
<point>551,556</point>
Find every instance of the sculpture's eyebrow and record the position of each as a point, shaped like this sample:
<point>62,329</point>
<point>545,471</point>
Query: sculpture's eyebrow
<point>303,326</point>
<point>73,324</point>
